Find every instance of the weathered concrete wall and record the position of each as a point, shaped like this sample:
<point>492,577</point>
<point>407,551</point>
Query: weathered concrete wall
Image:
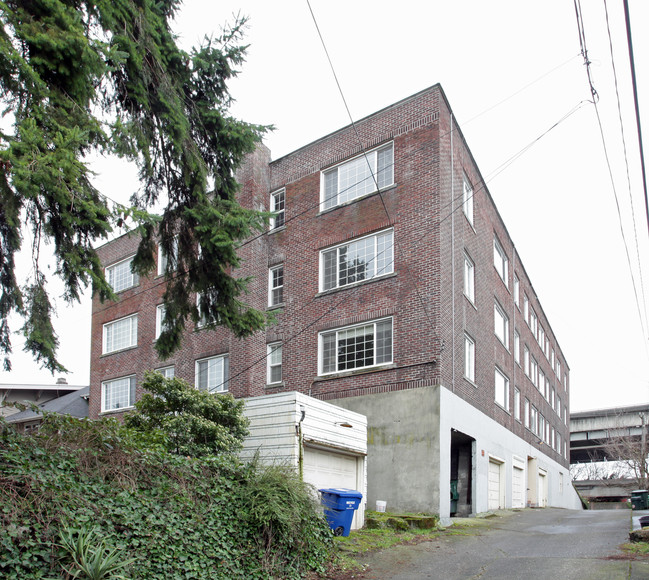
<point>403,447</point>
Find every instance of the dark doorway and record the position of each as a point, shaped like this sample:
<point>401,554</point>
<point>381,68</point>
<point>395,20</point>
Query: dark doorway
<point>461,473</point>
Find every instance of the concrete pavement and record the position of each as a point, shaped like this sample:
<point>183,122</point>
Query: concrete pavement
<point>529,544</point>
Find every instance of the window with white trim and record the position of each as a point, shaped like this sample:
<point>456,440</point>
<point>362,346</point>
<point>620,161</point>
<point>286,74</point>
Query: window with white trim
<point>501,324</point>
<point>274,363</point>
<point>159,320</point>
<point>467,199</point>
<point>526,360</point>
<point>501,263</point>
<point>120,334</point>
<point>278,207</point>
<point>212,374</point>
<point>534,372</point>
<point>356,347</point>
<point>276,285</point>
<point>517,347</point>
<point>120,277</point>
<point>469,278</point>
<point>357,177</point>
<point>517,291</point>
<point>526,308</point>
<point>362,259</point>
<point>169,260</point>
<point>502,389</point>
<point>117,394</point>
<point>534,419</point>
<point>167,372</point>
<point>517,404</point>
<point>526,413</point>
<point>558,369</point>
<point>204,302</point>
<point>469,358</point>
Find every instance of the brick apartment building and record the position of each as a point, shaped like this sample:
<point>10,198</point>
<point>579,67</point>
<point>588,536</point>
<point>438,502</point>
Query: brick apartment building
<point>398,294</point>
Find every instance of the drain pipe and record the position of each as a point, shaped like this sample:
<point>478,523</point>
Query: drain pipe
<point>300,441</point>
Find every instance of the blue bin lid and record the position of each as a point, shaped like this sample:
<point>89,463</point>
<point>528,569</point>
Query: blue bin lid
<point>342,492</point>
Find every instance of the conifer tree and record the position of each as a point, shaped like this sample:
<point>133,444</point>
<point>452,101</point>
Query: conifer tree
<point>107,77</point>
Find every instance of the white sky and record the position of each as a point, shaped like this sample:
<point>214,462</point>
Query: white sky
<point>510,70</point>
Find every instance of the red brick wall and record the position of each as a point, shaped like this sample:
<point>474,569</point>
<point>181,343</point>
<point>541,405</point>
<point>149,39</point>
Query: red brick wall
<point>424,295</point>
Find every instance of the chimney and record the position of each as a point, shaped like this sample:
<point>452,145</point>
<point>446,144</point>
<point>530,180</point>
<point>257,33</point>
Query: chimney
<point>61,381</point>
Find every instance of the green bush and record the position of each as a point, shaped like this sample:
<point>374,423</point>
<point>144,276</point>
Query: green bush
<point>167,516</point>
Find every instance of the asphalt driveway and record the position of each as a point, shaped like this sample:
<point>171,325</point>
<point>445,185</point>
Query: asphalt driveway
<point>530,544</point>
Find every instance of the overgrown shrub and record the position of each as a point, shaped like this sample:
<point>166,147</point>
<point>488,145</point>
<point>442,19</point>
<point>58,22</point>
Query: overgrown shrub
<point>176,517</point>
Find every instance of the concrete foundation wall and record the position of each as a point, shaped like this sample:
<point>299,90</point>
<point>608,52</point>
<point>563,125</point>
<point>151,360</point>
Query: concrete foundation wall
<point>403,447</point>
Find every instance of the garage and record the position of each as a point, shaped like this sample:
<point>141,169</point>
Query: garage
<point>495,484</point>
<point>518,483</point>
<point>325,468</point>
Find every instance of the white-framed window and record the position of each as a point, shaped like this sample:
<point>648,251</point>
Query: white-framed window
<point>276,285</point>
<point>159,320</point>
<point>278,207</point>
<point>117,394</point>
<point>526,413</point>
<point>469,358</point>
<point>502,389</point>
<point>526,361</point>
<point>167,372</point>
<point>274,363</point>
<point>501,263</point>
<point>355,347</point>
<point>517,291</point>
<point>120,334</point>
<point>362,259</point>
<point>203,309</point>
<point>517,347</point>
<point>558,409</point>
<point>357,177</point>
<point>212,374</point>
<point>469,278</point>
<point>534,419</point>
<point>542,385</point>
<point>165,260</point>
<point>534,372</point>
<point>558,369</point>
<point>501,324</point>
<point>534,323</point>
<point>120,277</point>
<point>467,199</point>
<point>517,404</point>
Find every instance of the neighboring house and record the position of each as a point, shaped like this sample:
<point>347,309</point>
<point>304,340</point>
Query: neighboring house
<point>398,294</point>
<point>74,404</point>
<point>35,393</point>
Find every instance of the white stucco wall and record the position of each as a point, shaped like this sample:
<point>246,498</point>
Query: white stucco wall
<point>494,440</point>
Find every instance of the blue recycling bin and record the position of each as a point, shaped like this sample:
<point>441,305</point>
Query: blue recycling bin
<point>339,506</point>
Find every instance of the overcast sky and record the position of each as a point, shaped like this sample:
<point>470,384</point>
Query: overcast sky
<point>511,70</point>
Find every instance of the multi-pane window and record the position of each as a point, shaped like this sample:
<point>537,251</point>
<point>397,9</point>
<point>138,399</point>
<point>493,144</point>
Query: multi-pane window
<point>274,363</point>
<point>501,263</point>
<point>501,324</point>
<point>358,177</point>
<point>120,276</point>
<point>276,285</point>
<point>167,260</point>
<point>278,206</point>
<point>534,372</point>
<point>517,404</point>
<point>118,394</point>
<point>502,389</point>
<point>467,198</point>
<point>359,260</point>
<point>212,374</point>
<point>534,323</point>
<point>120,334</point>
<point>517,347</point>
<point>469,358</point>
<point>167,372</point>
<point>469,278</point>
<point>356,347</point>
<point>534,419</point>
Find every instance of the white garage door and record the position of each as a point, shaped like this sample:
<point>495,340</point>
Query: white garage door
<point>494,485</point>
<point>518,487</point>
<point>327,469</point>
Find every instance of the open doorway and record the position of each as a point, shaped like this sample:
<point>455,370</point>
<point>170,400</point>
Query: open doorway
<point>462,468</point>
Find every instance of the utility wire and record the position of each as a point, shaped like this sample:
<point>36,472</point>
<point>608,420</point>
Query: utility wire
<point>626,162</point>
<point>587,63</point>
